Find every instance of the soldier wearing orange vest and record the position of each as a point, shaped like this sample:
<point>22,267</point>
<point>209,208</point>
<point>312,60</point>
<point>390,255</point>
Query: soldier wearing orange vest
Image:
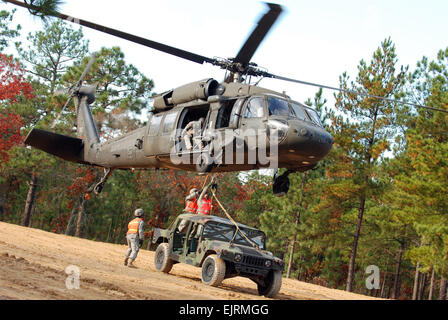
<point>191,205</point>
<point>134,237</point>
<point>204,202</point>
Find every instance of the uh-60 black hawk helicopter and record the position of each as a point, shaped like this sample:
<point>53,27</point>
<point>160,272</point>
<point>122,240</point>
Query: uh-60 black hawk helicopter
<point>239,120</point>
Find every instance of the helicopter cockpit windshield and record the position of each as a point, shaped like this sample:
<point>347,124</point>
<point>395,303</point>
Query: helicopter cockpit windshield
<point>281,107</point>
<point>314,116</point>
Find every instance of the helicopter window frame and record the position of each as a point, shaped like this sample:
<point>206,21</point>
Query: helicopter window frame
<point>314,116</point>
<point>305,116</point>
<point>262,105</point>
<point>154,127</point>
<point>226,114</point>
<point>235,115</point>
<point>284,102</point>
<point>169,121</point>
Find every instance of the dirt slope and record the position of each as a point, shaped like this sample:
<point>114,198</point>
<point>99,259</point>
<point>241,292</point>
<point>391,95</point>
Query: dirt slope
<point>33,263</point>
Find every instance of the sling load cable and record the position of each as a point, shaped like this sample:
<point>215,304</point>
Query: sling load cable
<point>235,223</point>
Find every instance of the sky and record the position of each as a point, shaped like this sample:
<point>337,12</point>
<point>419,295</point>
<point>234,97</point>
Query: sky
<point>315,41</point>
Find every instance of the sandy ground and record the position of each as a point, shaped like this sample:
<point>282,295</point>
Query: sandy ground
<point>33,264</point>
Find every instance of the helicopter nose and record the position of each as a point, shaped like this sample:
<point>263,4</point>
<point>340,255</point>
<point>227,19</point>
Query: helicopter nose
<point>309,143</point>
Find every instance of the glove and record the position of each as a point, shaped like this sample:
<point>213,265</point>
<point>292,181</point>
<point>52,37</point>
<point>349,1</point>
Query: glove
<point>214,186</point>
<point>140,243</point>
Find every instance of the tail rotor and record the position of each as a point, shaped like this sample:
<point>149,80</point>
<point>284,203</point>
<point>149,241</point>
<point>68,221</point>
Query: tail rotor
<point>74,89</point>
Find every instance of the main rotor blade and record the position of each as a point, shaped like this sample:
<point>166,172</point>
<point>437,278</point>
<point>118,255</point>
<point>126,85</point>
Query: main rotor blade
<point>269,75</point>
<point>253,42</point>
<point>123,35</point>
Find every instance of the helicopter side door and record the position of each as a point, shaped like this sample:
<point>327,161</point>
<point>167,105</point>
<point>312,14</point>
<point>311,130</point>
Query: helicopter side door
<point>160,134</point>
<point>253,121</point>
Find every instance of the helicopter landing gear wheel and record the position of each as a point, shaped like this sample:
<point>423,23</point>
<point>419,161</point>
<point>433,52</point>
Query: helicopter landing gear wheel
<point>281,183</point>
<point>204,163</point>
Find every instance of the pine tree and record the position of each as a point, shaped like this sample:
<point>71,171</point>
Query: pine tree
<point>366,130</point>
<point>6,33</point>
<point>424,185</point>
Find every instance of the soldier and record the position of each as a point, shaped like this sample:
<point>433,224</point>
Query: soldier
<point>192,134</point>
<point>191,205</point>
<point>204,207</point>
<point>134,237</point>
<point>205,202</point>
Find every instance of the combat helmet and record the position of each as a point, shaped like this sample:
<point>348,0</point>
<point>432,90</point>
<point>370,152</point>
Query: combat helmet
<point>139,212</point>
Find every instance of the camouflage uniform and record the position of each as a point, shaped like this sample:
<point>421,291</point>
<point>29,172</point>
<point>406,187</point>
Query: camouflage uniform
<point>193,130</point>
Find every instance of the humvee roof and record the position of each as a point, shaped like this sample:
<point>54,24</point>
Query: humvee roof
<point>202,219</point>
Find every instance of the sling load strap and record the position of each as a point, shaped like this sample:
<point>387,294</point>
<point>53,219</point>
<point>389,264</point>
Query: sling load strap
<point>234,222</point>
<point>205,181</point>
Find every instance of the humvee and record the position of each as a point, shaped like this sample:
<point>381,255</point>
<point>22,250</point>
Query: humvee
<point>210,242</point>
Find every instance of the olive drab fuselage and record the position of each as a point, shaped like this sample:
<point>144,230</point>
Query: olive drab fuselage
<point>157,144</point>
<point>304,145</point>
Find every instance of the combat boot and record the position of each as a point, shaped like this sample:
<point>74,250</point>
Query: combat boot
<point>126,261</point>
<point>130,263</point>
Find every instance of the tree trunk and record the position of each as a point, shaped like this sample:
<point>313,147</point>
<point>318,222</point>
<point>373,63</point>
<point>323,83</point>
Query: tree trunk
<point>293,246</point>
<point>396,290</point>
<point>79,220</point>
<point>294,239</point>
<point>59,225</point>
<point>422,286</point>
<point>26,219</point>
<point>383,286</point>
<point>285,249</point>
<point>69,228</point>
<point>431,285</point>
<point>416,278</point>
<point>299,269</point>
<point>351,266</point>
<point>442,291</point>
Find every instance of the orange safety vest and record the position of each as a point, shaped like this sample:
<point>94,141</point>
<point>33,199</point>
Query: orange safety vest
<point>206,206</point>
<point>191,206</point>
<point>133,226</point>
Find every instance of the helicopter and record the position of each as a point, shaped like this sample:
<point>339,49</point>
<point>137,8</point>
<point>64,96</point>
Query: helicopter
<point>237,126</point>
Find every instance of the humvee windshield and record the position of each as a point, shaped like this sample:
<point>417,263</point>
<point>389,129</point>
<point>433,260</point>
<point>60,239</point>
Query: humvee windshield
<point>225,232</point>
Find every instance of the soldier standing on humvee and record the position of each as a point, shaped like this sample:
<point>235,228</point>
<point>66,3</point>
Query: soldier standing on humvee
<point>204,201</point>
<point>134,237</point>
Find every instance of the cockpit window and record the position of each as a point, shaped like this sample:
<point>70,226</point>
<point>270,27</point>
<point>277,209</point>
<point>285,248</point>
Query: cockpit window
<point>314,116</point>
<point>279,107</point>
<point>255,108</point>
<point>299,111</point>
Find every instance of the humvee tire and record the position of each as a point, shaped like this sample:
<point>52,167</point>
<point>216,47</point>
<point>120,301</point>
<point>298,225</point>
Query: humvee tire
<point>273,283</point>
<point>213,270</point>
<point>162,259</point>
